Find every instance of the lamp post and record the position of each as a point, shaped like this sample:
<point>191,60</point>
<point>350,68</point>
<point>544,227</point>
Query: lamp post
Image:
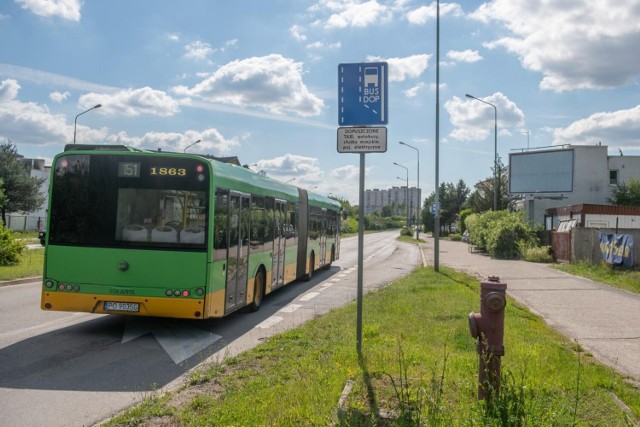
<point>418,185</point>
<point>75,122</point>
<point>407,198</point>
<point>188,146</point>
<point>495,150</point>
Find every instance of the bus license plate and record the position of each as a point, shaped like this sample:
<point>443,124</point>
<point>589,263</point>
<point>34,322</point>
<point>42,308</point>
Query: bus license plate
<point>121,306</point>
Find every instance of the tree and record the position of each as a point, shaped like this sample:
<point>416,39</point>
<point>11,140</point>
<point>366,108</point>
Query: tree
<point>626,194</point>
<point>452,198</point>
<point>21,191</point>
<point>481,199</point>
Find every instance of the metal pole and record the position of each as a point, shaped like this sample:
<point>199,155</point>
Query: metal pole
<point>418,186</point>
<point>75,122</point>
<point>360,257</point>
<point>406,202</point>
<point>436,221</point>
<point>495,149</point>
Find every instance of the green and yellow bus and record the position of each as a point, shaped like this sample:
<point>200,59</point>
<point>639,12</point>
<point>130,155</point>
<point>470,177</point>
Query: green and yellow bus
<point>176,235</point>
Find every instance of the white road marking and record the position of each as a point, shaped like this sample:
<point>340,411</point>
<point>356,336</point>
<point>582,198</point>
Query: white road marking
<point>290,308</point>
<point>273,320</point>
<point>309,296</point>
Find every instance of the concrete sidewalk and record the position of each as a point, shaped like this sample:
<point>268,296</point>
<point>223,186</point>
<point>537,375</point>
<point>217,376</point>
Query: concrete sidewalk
<point>603,320</point>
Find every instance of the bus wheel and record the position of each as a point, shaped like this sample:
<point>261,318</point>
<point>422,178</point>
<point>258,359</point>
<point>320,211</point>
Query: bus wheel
<point>258,292</point>
<point>312,264</point>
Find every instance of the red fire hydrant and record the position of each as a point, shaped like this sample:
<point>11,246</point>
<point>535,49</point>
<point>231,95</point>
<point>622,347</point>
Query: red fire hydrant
<point>488,328</point>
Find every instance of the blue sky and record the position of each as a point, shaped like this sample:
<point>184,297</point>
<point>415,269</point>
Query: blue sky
<point>258,79</point>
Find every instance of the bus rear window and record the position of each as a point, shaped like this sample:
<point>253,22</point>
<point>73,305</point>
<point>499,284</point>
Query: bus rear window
<point>129,201</point>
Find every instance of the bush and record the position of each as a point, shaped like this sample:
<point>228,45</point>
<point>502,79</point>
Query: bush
<point>406,232</point>
<point>10,247</point>
<point>456,237</point>
<point>502,234</point>
<point>539,254</point>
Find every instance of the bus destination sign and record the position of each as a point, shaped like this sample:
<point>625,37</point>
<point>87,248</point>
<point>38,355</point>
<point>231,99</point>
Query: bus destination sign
<point>371,139</point>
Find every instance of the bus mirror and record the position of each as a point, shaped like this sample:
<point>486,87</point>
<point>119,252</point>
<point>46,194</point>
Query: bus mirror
<point>344,215</point>
<point>42,236</point>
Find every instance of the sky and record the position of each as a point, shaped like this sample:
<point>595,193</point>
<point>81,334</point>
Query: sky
<point>258,79</point>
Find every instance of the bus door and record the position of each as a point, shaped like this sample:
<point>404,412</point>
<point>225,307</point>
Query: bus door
<point>323,237</point>
<point>239,217</point>
<point>279,241</point>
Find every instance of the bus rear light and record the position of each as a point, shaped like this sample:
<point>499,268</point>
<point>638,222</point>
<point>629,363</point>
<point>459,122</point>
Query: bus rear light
<point>61,286</point>
<point>76,288</point>
<point>169,292</point>
<point>200,168</point>
<point>176,293</point>
<point>185,293</point>
<point>200,292</point>
<point>49,284</point>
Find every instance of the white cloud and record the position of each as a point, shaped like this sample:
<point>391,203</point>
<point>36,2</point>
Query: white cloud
<point>297,32</point>
<point>132,102</point>
<point>581,44</point>
<point>305,170</point>
<point>423,14</point>
<point>464,55</point>
<point>198,50</point>
<point>59,97</point>
<point>401,69</point>
<point>9,90</point>
<point>617,129</point>
<point>66,9</point>
<point>413,91</point>
<point>474,120</point>
<point>273,83</point>
<point>211,141</point>
<point>33,124</point>
<point>326,46</point>
<point>352,13</point>
<point>348,173</point>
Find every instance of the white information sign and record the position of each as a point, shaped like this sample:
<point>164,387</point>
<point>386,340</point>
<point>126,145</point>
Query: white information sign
<point>362,139</point>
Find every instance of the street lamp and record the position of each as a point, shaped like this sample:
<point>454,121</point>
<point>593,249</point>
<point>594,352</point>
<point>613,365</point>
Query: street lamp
<point>419,198</point>
<point>188,146</point>
<point>495,150</point>
<point>75,122</point>
<point>407,199</point>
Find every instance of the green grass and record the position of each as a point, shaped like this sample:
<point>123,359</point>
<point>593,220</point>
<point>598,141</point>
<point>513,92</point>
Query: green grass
<point>31,264</point>
<point>418,367</point>
<point>604,273</point>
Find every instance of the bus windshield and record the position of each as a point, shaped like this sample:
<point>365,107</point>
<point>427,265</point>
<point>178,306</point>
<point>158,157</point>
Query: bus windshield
<point>129,201</point>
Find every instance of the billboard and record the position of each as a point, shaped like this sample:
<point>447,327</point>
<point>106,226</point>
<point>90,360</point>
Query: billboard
<point>541,172</point>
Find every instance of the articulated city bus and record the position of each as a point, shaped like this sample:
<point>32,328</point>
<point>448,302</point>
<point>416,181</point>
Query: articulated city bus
<point>176,235</point>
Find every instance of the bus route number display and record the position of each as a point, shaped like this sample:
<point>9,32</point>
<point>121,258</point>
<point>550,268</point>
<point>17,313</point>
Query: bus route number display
<point>128,170</point>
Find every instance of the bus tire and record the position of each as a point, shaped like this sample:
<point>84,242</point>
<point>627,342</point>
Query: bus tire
<point>312,264</point>
<point>258,292</point>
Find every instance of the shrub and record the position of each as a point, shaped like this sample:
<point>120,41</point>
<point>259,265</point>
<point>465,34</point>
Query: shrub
<point>456,237</point>
<point>539,254</point>
<point>502,234</point>
<point>10,247</point>
<point>406,232</point>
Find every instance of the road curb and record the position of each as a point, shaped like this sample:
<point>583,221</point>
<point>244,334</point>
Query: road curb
<point>20,281</point>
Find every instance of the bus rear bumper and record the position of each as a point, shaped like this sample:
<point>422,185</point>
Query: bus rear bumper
<point>188,308</point>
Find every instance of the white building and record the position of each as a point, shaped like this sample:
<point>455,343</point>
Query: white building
<point>590,181</point>
<point>399,198</point>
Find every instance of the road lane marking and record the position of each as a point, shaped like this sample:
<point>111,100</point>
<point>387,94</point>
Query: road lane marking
<point>270,322</point>
<point>309,296</point>
<point>290,308</point>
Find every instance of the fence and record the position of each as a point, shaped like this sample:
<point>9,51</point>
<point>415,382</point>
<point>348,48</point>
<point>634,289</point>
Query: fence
<point>25,222</point>
<point>584,244</point>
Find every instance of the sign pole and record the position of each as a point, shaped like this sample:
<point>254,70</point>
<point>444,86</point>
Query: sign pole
<point>360,255</point>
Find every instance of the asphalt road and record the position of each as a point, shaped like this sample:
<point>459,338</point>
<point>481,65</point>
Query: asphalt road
<point>73,369</point>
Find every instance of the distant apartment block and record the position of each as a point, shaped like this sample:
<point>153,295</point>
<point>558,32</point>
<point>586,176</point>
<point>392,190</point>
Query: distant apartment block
<point>398,198</point>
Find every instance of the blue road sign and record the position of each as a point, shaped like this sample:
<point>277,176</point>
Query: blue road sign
<point>362,94</point>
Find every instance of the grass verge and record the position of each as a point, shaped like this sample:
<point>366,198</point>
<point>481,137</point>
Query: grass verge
<point>418,367</point>
<point>604,273</point>
<point>30,265</point>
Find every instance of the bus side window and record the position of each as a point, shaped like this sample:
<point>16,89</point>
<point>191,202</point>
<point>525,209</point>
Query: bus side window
<point>221,221</point>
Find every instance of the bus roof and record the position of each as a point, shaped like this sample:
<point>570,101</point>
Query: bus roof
<point>226,175</point>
